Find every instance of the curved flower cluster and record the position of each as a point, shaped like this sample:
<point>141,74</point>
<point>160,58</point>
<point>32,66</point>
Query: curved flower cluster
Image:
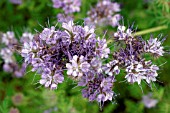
<point>69,7</point>
<point>154,47</point>
<point>105,12</point>
<point>138,71</point>
<point>77,50</point>
<point>87,59</point>
<point>9,43</point>
<point>97,87</point>
<point>131,56</point>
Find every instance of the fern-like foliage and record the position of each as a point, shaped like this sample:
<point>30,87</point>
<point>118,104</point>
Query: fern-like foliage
<point>4,106</point>
<point>160,9</point>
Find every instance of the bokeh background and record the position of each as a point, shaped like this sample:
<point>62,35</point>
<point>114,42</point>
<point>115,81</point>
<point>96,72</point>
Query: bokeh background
<point>24,94</point>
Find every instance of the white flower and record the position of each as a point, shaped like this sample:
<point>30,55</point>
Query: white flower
<point>121,28</point>
<point>47,33</point>
<point>130,77</point>
<point>138,71</point>
<point>139,77</point>
<point>46,80</point>
<point>68,26</point>
<point>88,31</point>
<point>123,33</point>
<point>77,66</point>
<point>151,76</point>
<point>109,95</point>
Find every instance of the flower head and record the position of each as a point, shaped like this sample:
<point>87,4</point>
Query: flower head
<point>69,6</point>
<point>104,13</point>
<point>78,66</point>
<point>148,101</point>
<point>153,46</point>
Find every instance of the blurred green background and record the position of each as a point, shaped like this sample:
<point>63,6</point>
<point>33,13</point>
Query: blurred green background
<point>26,96</point>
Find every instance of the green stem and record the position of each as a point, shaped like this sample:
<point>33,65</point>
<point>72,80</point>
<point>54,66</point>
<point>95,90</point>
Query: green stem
<point>150,30</point>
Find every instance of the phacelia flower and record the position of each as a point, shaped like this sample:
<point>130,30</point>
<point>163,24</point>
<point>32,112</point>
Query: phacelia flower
<point>77,66</point>
<point>131,56</point>
<point>123,33</point>
<point>69,6</point>
<point>86,58</point>
<point>105,12</point>
<point>111,68</point>
<point>153,46</point>
<point>10,44</point>
<point>102,50</point>
<point>148,101</point>
<point>26,37</point>
<point>99,89</point>
<point>8,38</point>
<point>138,71</point>
<point>64,18</point>
<point>71,49</point>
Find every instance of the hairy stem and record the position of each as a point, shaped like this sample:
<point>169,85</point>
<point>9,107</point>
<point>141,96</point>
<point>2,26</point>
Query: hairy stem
<point>150,30</point>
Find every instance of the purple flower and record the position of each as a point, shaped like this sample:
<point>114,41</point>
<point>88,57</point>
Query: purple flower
<point>131,56</point>
<point>138,71</point>
<point>99,89</point>
<point>7,55</point>
<point>8,38</point>
<point>56,50</point>
<point>58,78</point>
<point>16,1</point>
<point>86,58</point>
<point>111,68</point>
<point>47,33</point>
<point>123,33</point>
<point>11,44</point>
<point>148,101</point>
<point>46,80</point>
<point>69,6</point>
<point>153,45</point>
<point>64,18</point>
<point>104,13</point>
<point>102,50</point>
<point>96,64</point>
<point>78,66</point>
<point>26,37</point>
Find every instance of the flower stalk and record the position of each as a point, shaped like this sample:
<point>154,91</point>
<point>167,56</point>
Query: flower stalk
<point>155,29</point>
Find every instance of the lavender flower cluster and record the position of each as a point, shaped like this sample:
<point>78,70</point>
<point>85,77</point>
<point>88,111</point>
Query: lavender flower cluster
<point>69,7</point>
<point>104,13</point>
<point>17,2</point>
<point>75,49</point>
<point>131,57</point>
<point>87,59</point>
<point>9,45</point>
